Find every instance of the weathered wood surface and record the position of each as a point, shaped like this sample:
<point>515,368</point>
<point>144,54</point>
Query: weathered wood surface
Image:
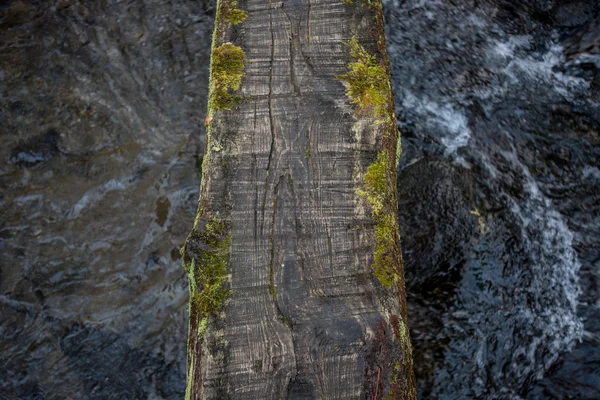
<point>306,318</point>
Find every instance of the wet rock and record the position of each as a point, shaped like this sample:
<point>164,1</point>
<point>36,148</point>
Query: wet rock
<point>574,13</point>
<point>120,371</point>
<point>584,39</point>
<point>595,87</point>
<point>37,149</point>
<point>102,106</point>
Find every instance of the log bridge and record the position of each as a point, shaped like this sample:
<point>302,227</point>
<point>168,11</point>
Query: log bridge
<point>294,262</point>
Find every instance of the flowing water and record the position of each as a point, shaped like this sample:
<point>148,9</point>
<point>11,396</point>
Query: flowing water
<point>499,107</point>
<point>500,210</point>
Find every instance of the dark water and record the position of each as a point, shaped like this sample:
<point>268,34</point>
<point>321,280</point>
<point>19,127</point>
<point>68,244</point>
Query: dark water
<point>102,105</point>
<point>500,199</point>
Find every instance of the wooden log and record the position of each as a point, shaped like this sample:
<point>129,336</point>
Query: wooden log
<point>294,262</point>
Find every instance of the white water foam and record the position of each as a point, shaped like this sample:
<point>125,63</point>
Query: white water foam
<point>541,68</point>
<point>442,117</point>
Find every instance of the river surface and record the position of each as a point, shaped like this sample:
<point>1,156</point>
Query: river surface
<point>102,105</point>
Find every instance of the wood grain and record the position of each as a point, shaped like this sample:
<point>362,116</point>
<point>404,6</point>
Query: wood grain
<point>306,318</point>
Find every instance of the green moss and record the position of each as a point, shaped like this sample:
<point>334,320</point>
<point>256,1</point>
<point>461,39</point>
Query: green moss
<point>230,14</point>
<point>368,83</point>
<point>369,89</point>
<point>378,183</point>
<point>206,250</point>
<point>227,70</point>
<point>207,268</point>
<point>375,185</point>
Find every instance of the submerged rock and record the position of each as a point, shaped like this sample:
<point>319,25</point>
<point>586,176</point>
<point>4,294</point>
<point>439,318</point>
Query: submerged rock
<point>102,106</point>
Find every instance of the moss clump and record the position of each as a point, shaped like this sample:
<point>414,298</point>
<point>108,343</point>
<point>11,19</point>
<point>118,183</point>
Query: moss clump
<point>227,70</point>
<point>379,180</point>
<point>370,91</point>
<point>231,14</point>
<point>205,261</point>
<point>368,82</point>
<point>207,270</point>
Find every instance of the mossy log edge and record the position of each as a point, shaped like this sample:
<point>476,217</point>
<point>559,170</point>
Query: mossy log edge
<point>369,89</point>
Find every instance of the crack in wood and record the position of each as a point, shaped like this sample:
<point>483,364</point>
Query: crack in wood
<point>308,23</point>
<point>254,171</point>
<point>271,89</point>
<point>272,287</point>
<point>271,126</point>
<point>293,38</point>
<point>286,320</point>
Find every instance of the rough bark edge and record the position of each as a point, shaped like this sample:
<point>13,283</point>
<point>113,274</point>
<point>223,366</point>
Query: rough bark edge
<point>380,192</point>
<point>209,233</point>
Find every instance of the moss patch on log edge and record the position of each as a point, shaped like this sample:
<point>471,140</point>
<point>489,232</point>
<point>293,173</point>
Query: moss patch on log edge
<point>205,257</point>
<point>369,85</point>
<point>369,89</point>
<point>231,14</point>
<point>227,61</point>
<point>206,249</point>
<point>227,70</point>
<point>377,183</point>
<point>207,267</point>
